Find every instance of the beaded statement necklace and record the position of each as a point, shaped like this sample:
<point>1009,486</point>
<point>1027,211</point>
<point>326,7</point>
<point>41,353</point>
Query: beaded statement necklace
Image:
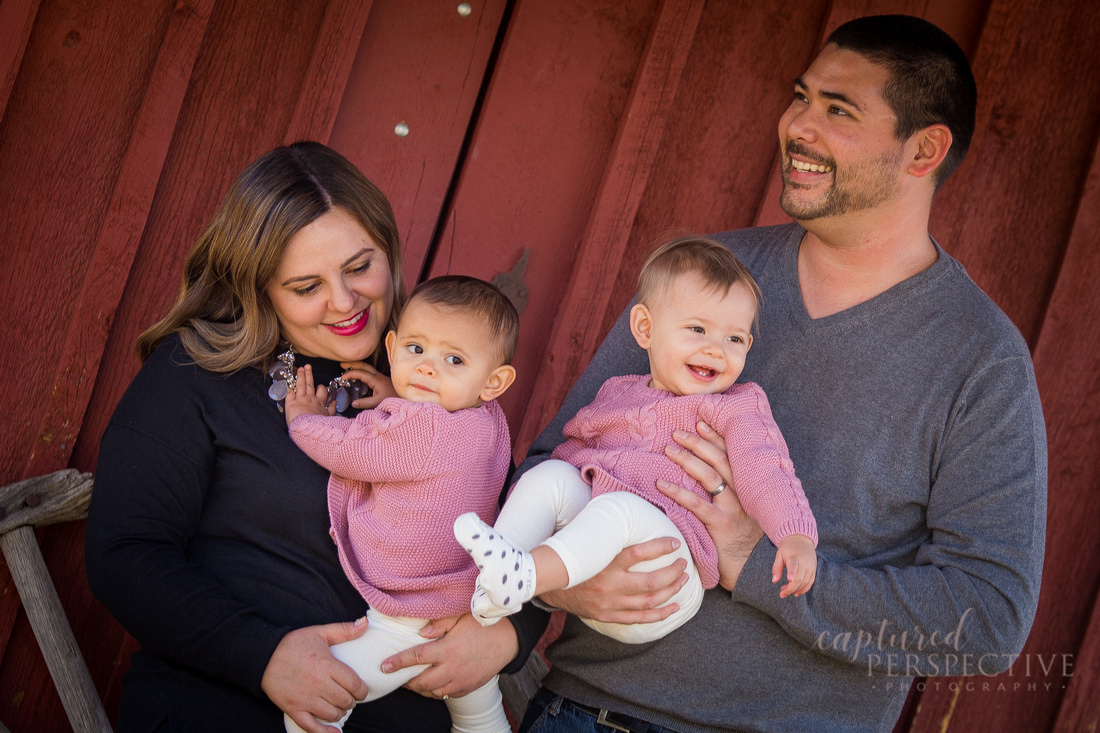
<point>284,377</point>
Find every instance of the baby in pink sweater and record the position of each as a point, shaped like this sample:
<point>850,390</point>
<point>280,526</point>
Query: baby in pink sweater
<point>402,473</point>
<point>568,517</point>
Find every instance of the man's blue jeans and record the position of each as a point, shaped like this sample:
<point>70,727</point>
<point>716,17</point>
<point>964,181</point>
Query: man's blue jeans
<point>550,713</point>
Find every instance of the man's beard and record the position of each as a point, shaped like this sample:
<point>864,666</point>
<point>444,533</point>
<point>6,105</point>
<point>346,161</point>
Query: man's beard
<point>863,186</point>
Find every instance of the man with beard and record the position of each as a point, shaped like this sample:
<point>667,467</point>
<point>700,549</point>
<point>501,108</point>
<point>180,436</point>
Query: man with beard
<point>908,402</point>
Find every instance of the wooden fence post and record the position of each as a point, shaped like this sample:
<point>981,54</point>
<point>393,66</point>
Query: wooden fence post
<point>58,497</point>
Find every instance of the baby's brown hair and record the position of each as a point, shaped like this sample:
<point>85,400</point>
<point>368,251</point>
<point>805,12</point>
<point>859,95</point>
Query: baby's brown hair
<point>464,293</point>
<point>691,253</point>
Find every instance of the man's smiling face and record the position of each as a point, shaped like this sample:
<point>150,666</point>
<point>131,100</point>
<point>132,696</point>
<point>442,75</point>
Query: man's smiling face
<point>839,149</point>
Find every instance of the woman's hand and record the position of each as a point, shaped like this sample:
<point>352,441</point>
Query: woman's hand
<point>307,683</point>
<point>380,385</point>
<point>616,595</point>
<point>734,533</point>
<point>464,656</point>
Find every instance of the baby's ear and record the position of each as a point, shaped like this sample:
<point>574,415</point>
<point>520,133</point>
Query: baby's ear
<point>499,381</point>
<point>391,339</point>
<point>641,324</point>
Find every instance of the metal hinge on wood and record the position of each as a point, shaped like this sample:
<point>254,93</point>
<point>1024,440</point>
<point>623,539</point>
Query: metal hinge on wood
<point>512,285</point>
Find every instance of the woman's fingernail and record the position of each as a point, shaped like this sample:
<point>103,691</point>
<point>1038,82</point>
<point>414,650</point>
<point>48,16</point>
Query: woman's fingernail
<point>704,428</point>
<point>680,433</point>
<point>386,667</point>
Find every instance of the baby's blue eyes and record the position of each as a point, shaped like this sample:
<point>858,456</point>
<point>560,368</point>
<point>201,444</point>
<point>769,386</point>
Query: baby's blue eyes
<point>415,349</point>
<point>453,360</point>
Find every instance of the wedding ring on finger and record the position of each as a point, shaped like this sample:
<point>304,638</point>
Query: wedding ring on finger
<point>718,489</point>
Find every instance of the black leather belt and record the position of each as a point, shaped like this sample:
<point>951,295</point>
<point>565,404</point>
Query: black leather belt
<point>616,721</point>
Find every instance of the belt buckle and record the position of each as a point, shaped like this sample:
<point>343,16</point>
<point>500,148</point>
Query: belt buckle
<point>601,719</point>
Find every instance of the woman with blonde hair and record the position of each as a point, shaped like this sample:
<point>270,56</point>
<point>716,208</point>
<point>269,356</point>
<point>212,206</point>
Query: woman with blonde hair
<point>208,534</point>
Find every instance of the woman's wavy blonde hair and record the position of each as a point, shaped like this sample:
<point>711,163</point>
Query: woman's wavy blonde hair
<point>222,313</point>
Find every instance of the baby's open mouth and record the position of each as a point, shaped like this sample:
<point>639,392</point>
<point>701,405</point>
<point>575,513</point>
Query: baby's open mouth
<point>704,372</point>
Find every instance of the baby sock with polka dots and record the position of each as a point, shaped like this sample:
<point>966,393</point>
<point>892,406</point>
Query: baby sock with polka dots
<point>507,578</point>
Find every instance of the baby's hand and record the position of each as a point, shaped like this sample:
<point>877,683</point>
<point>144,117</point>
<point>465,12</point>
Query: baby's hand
<point>380,385</point>
<point>305,399</point>
<point>796,554</point>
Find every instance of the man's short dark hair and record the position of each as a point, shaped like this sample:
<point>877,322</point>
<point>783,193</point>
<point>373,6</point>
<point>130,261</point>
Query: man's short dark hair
<point>930,77</point>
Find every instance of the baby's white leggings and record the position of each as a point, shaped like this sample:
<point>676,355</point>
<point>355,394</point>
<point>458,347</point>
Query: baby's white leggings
<point>551,504</point>
<point>481,711</point>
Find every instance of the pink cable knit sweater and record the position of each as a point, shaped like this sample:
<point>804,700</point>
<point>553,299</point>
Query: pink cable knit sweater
<point>401,474</point>
<point>618,442</point>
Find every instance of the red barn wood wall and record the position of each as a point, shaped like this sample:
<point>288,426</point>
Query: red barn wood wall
<point>574,130</point>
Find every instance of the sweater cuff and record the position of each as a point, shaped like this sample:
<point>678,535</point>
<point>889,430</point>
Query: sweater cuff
<point>799,525</point>
<point>251,653</point>
<point>756,577</point>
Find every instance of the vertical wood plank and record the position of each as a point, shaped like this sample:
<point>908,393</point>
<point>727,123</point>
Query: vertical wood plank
<point>66,127</point>
<point>9,610</point>
<point>117,243</point>
<point>68,124</point>
<point>423,65</point>
<point>106,276</point>
<point>1081,705</point>
<point>577,331</point>
<point>1038,103</point>
<point>235,109</point>
<point>16,21</point>
<point>329,68</point>
<point>538,154</point>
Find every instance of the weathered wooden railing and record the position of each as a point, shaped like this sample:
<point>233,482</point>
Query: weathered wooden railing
<point>62,496</point>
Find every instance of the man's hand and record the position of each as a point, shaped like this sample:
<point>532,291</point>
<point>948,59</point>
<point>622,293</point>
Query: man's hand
<point>734,533</point>
<point>616,595</point>
<point>464,656</point>
<point>309,684</point>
